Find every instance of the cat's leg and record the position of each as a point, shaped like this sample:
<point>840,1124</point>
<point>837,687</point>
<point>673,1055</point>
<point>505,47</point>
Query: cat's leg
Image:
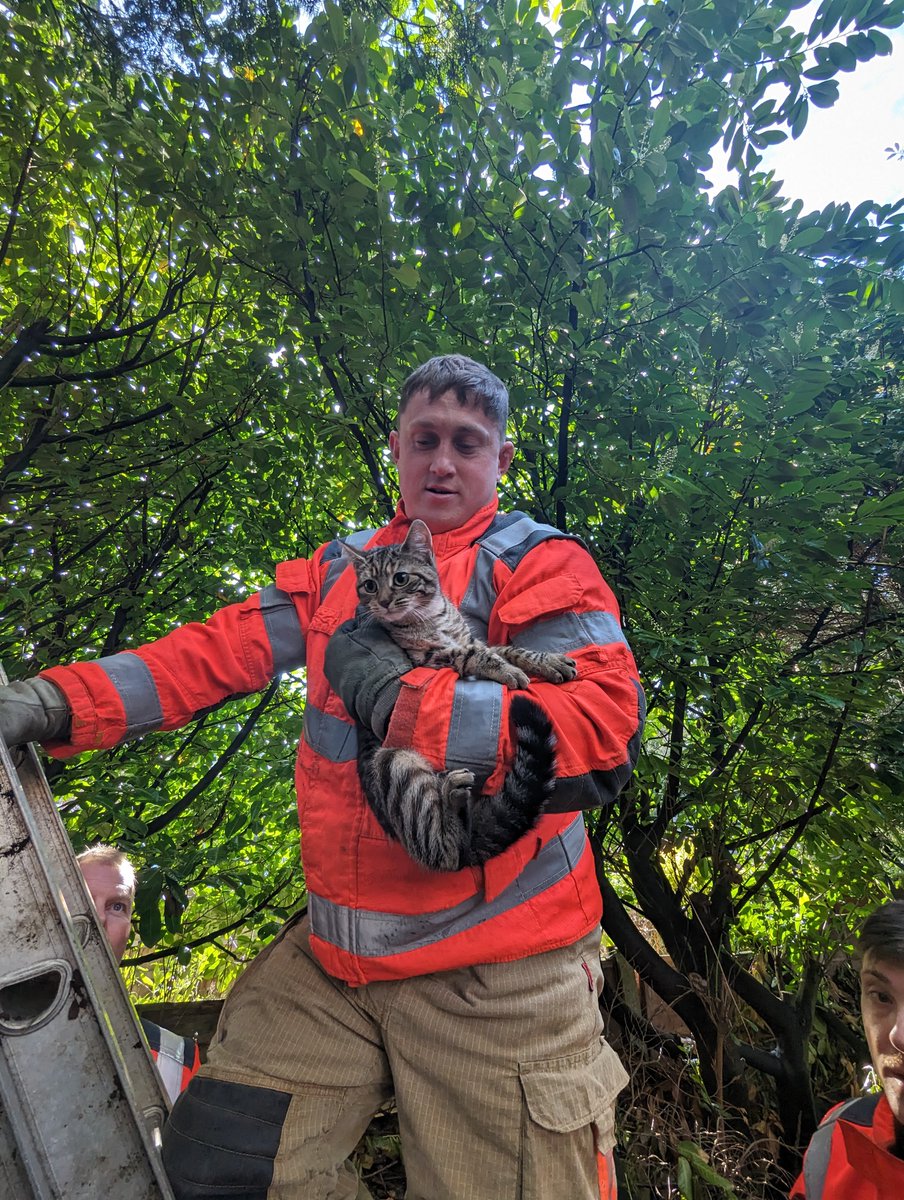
<point>483,662</point>
<point>432,813</point>
<point>541,664</point>
<point>430,810</point>
<point>425,810</point>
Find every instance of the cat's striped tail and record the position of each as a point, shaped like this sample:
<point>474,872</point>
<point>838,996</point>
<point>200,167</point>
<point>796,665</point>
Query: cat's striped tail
<point>495,822</point>
<point>436,816</point>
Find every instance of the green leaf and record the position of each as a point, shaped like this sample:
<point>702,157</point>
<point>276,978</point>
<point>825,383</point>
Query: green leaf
<point>407,275</point>
<point>823,95</point>
<point>685,1180</point>
<point>806,238</point>
<point>360,177</point>
<point>692,1154</point>
<point>889,508</point>
<point>881,42</point>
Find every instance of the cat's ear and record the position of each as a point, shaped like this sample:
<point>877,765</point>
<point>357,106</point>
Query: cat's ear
<point>353,555</point>
<point>419,538</point>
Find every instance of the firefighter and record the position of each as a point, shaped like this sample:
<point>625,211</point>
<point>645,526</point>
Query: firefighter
<point>110,879</point>
<point>470,996</point>
<point>858,1151</point>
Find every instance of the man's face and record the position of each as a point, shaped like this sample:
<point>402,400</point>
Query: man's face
<point>109,888</point>
<point>449,459</point>
<point>882,1005</point>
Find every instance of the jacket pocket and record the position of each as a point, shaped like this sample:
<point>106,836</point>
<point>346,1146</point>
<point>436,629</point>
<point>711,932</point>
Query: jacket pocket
<point>569,1119</point>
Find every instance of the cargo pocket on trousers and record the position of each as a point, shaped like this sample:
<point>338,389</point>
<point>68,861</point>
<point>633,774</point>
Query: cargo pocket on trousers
<point>569,1120</point>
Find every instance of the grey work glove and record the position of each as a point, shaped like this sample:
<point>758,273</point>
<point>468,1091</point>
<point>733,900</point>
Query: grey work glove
<point>33,710</point>
<point>363,665</point>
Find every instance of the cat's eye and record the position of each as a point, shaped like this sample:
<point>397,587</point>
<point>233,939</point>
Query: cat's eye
<point>369,586</point>
<point>400,578</point>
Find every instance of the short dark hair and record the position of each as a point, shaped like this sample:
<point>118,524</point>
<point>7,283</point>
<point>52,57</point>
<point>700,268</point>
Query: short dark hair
<point>472,382</point>
<point>882,933</point>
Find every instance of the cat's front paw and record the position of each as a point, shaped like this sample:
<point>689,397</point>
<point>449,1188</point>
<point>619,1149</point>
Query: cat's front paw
<point>513,677</point>
<point>561,669</point>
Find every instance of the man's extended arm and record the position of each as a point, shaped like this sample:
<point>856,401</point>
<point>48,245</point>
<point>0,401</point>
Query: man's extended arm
<point>165,684</point>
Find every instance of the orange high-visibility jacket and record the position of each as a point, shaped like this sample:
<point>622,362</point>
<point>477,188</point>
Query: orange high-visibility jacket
<point>177,1058</point>
<point>850,1155</point>
<point>374,913</point>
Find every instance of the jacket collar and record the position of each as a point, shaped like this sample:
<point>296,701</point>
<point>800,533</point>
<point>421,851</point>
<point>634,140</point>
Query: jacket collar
<point>444,544</point>
<point>869,1150</point>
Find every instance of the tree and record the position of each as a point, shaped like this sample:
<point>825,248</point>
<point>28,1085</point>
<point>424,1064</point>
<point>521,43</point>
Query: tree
<point>213,320</point>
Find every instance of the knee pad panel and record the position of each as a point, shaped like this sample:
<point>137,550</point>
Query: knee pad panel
<point>221,1140</point>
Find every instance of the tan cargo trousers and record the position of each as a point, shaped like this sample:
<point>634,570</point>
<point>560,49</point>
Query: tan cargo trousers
<point>504,1084</point>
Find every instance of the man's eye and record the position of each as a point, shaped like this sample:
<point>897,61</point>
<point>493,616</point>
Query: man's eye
<point>369,586</point>
<point>400,578</point>
<point>878,997</point>
<point>118,906</point>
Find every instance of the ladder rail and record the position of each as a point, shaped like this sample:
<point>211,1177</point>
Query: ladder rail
<point>81,1104</point>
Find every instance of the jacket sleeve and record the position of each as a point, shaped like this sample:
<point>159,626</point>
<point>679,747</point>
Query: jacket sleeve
<point>555,599</point>
<point>165,684</point>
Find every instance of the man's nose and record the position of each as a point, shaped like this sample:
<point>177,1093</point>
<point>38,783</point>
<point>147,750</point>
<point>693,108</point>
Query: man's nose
<point>896,1037</point>
<point>443,461</point>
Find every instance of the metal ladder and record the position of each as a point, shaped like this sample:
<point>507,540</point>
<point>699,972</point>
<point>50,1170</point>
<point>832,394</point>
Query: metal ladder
<point>81,1106</point>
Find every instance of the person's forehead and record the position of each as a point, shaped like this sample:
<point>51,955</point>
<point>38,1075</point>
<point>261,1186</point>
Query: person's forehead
<point>446,410</point>
<point>886,970</point>
<point>105,876</point>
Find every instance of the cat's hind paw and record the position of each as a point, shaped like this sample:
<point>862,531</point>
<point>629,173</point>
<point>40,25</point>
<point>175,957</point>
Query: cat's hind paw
<point>456,787</point>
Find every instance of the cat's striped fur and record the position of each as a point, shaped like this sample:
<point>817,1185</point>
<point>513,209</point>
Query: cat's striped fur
<point>435,814</point>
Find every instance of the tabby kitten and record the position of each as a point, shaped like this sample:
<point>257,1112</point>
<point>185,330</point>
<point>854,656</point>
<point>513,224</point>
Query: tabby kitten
<point>434,814</point>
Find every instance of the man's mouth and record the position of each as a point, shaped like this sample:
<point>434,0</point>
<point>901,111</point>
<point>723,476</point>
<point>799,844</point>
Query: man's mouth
<point>438,491</point>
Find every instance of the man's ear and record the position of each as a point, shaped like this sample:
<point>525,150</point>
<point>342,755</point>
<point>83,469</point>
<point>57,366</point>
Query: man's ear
<point>394,445</point>
<point>506,454</point>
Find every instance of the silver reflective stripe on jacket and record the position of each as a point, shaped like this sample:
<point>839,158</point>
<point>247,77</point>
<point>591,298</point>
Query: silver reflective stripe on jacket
<point>283,629</point>
<point>859,1111</point>
<point>477,707</point>
<point>337,560</point>
<point>371,934</point>
<point>473,739</point>
<point>132,678</point>
<point>169,1055</point>
<point>330,737</point>
<point>509,537</point>
<point>571,631</point>
<point>134,683</point>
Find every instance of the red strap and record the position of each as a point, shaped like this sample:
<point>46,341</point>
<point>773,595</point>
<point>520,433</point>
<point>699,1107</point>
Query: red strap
<point>608,1184</point>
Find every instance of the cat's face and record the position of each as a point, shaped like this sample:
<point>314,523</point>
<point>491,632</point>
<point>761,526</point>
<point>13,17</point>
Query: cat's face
<point>398,585</point>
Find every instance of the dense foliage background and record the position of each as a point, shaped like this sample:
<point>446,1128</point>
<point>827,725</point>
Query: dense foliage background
<point>224,241</point>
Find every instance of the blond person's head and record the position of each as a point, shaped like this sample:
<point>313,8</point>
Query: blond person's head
<point>110,878</point>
